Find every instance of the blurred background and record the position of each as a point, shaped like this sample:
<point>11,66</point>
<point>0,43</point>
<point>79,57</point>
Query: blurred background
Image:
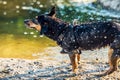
<point>16,41</point>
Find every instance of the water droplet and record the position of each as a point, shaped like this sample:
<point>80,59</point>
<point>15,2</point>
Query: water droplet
<point>25,33</point>
<point>34,36</point>
<point>4,13</point>
<point>23,3</point>
<point>17,11</point>
<point>38,2</point>
<point>7,23</point>
<point>34,0</point>
<point>41,35</point>
<point>17,6</point>
<point>11,22</point>
<point>31,32</point>
<point>41,6</point>
<point>31,3</point>
<point>105,37</point>
<point>4,2</point>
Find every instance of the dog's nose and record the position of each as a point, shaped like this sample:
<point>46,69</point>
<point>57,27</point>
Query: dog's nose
<point>25,21</point>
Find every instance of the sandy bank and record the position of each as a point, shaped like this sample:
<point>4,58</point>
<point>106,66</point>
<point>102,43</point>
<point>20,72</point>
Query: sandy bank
<point>57,67</point>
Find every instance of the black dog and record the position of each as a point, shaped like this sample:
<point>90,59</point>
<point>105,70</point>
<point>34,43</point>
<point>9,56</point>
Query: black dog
<point>73,39</point>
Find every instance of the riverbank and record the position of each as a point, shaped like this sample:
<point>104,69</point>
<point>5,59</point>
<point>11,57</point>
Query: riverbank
<point>56,66</point>
<point>110,4</point>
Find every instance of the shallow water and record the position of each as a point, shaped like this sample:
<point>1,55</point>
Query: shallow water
<point>20,42</point>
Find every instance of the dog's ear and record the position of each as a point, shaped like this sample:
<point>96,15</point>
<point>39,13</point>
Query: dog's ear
<point>52,12</point>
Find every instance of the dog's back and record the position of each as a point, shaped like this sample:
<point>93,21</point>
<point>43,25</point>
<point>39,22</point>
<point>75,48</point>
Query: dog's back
<point>94,35</point>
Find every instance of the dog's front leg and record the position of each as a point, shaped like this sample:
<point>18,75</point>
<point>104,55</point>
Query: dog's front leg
<point>78,58</point>
<point>74,62</point>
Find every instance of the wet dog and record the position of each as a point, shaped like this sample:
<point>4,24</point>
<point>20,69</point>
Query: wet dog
<point>74,38</point>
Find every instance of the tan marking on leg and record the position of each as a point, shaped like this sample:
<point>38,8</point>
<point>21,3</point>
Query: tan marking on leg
<point>74,62</point>
<point>78,57</point>
<point>110,51</point>
<point>112,62</point>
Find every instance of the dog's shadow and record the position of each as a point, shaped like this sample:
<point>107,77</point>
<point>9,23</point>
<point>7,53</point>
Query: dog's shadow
<point>55,73</point>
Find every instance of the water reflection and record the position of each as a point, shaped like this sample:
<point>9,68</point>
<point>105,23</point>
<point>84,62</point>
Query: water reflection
<point>30,8</point>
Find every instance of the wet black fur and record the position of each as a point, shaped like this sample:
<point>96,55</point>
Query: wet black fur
<point>81,37</point>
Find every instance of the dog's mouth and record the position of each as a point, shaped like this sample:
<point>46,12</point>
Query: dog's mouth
<point>32,24</point>
<point>29,24</point>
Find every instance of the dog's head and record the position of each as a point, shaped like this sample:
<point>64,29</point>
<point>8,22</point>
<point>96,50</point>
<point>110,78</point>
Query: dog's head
<point>41,22</point>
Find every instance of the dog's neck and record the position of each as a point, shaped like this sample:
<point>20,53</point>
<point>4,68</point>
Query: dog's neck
<point>55,27</point>
<point>38,28</point>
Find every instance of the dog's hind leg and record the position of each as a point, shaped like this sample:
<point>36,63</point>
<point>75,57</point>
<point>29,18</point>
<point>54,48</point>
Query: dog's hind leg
<point>74,62</point>
<point>113,58</point>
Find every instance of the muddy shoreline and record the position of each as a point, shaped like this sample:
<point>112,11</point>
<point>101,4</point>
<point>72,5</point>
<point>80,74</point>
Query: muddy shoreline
<point>57,66</point>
